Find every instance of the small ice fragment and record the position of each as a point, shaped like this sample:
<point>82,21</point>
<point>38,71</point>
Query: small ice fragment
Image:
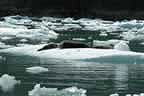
<point>122,46</point>
<point>128,95</point>
<point>114,94</point>
<point>43,91</point>
<point>141,94</point>
<point>136,95</point>
<point>36,70</point>
<point>7,82</point>
<point>6,38</point>
<point>23,40</point>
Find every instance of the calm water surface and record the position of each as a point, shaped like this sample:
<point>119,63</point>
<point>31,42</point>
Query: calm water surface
<point>98,79</point>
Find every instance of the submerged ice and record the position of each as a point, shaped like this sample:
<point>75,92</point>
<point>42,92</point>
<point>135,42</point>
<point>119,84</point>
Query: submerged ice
<point>43,91</point>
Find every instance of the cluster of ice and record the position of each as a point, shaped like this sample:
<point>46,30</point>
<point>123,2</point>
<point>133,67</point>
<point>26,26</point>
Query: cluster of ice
<point>36,70</point>
<point>7,82</point>
<point>141,94</point>
<point>127,29</point>
<point>18,20</point>
<point>27,33</point>
<point>28,29</point>
<point>46,27</point>
<point>43,91</point>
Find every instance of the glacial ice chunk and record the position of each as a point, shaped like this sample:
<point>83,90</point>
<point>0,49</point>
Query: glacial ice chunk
<point>114,94</point>
<point>43,91</point>
<point>7,82</point>
<point>36,70</point>
<point>17,19</point>
<point>122,46</point>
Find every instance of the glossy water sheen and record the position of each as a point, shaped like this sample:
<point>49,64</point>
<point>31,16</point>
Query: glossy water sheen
<point>98,79</point>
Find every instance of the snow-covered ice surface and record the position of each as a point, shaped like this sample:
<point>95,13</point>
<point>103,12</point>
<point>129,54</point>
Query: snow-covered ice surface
<point>119,55</point>
<point>7,82</point>
<point>43,91</point>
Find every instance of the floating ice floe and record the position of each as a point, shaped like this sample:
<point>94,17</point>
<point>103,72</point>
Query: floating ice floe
<point>59,23</point>
<point>7,82</point>
<point>4,46</point>
<point>18,20</point>
<point>6,38</point>
<point>113,41</point>
<point>43,91</point>
<point>23,44</point>
<point>122,45</point>
<point>4,24</point>
<point>23,40</point>
<point>141,94</point>
<point>36,70</point>
<point>27,33</point>
<point>114,94</point>
<point>128,28</point>
<point>73,54</point>
<point>102,44</point>
<point>130,24</point>
<point>69,20</point>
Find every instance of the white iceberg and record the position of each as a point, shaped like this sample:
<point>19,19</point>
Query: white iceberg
<point>36,70</point>
<point>7,82</point>
<point>43,91</point>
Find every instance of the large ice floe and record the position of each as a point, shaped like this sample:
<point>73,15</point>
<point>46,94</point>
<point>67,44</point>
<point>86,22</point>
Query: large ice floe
<point>7,82</point>
<point>43,91</point>
<point>21,29</point>
<point>120,54</point>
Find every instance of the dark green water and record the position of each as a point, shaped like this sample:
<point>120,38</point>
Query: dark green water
<point>98,79</point>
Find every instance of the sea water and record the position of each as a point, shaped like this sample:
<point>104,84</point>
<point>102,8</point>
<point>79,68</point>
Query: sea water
<point>97,79</point>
